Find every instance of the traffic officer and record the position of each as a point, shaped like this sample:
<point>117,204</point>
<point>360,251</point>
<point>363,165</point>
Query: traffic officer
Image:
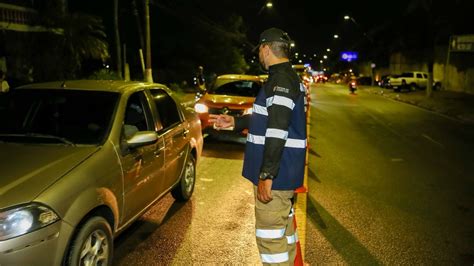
<point>275,149</point>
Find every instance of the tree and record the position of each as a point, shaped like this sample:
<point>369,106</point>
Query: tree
<point>79,37</point>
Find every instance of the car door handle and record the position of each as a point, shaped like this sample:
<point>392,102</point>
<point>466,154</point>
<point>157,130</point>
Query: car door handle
<point>157,153</point>
<point>185,132</point>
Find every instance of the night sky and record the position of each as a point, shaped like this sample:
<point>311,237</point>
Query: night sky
<point>310,23</point>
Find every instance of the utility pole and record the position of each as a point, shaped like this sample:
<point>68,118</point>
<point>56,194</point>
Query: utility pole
<point>148,73</point>
<point>118,51</point>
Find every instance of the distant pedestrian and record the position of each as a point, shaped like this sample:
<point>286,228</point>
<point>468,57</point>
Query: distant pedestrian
<point>4,87</point>
<point>275,149</point>
<point>199,80</point>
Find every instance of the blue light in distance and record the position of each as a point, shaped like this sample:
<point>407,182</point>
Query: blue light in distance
<point>349,56</point>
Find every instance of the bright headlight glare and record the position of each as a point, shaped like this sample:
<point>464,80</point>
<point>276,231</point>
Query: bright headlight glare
<point>19,221</point>
<point>201,108</point>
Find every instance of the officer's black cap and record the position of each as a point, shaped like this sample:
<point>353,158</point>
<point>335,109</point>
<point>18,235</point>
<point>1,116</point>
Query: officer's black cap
<point>273,35</point>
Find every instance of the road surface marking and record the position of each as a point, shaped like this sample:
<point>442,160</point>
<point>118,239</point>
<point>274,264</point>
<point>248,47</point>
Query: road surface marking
<point>206,179</point>
<point>432,140</point>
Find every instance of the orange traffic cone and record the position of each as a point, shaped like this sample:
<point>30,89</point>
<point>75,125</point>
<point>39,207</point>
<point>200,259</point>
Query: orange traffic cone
<point>299,256</point>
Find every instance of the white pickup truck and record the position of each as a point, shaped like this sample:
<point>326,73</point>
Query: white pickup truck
<point>411,81</point>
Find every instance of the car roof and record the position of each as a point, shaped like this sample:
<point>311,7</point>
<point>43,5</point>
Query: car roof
<point>93,85</point>
<point>239,77</point>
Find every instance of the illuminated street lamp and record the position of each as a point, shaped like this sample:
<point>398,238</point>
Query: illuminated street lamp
<point>268,5</point>
<point>328,50</point>
<point>325,56</point>
<point>321,61</point>
<point>336,36</point>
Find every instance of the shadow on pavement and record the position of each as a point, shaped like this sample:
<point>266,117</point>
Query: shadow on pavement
<point>224,148</point>
<point>149,236</point>
<point>353,252</point>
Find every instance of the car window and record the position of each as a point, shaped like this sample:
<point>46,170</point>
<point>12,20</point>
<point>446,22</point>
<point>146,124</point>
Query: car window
<point>246,88</point>
<point>166,107</point>
<point>137,115</point>
<point>425,76</point>
<point>57,116</point>
<point>418,75</point>
<point>407,75</point>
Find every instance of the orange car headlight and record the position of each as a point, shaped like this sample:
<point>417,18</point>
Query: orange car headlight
<point>201,108</point>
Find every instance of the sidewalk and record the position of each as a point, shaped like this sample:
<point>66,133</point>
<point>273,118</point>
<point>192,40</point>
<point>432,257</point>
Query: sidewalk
<point>457,105</point>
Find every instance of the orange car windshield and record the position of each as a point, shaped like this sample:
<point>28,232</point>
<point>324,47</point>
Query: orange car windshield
<point>244,88</point>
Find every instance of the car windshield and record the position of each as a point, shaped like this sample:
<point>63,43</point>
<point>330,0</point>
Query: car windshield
<point>53,116</point>
<point>245,88</point>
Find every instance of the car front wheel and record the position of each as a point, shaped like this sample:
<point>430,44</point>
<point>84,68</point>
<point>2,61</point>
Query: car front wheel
<point>184,189</point>
<point>93,244</point>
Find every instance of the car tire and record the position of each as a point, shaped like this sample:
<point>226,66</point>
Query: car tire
<point>185,187</point>
<point>93,244</point>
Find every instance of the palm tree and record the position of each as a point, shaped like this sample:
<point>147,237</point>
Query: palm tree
<point>81,37</point>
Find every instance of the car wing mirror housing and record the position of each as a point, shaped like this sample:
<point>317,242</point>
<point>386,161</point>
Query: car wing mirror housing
<point>142,138</point>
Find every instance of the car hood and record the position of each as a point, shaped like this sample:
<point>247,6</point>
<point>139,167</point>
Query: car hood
<point>216,100</point>
<point>26,170</point>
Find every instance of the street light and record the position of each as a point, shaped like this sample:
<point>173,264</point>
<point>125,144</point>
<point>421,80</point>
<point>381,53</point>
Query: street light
<point>360,27</point>
<point>325,56</point>
<point>336,36</point>
<point>268,5</point>
<point>328,50</point>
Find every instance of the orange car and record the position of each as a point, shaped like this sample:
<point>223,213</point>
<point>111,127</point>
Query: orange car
<point>232,94</point>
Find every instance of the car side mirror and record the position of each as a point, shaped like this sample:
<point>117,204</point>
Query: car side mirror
<point>142,138</point>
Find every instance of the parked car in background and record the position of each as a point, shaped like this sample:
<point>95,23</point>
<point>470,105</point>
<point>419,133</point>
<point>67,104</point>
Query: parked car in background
<point>305,76</point>
<point>232,94</point>
<point>364,81</point>
<point>411,81</point>
<point>81,160</point>
<point>264,77</point>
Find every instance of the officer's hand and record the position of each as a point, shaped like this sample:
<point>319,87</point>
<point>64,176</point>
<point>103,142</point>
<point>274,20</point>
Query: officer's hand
<point>264,190</point>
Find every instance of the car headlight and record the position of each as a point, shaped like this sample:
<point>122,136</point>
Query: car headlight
<point>201,108</point>
<point>21,220</point>
<point>248,111</point>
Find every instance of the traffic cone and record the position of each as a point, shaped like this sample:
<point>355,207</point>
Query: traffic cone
<point>301,189</point>
<point>299,256</point>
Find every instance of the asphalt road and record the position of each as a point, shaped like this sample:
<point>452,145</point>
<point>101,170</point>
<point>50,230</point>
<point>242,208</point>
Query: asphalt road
<point>388,183</point>
<point>392,185</point>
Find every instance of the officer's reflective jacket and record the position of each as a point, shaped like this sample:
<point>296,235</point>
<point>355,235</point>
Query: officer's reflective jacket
<point>276,140</point>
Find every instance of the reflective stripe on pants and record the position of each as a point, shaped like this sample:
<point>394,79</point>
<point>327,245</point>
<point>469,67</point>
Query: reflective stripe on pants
<point>275,234</point>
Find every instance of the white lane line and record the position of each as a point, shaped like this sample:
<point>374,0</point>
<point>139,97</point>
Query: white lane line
<point>206,179</point>
<point>432,140</point>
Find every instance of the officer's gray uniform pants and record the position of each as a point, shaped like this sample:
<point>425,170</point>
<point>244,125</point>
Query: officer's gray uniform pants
<point>276,235</point>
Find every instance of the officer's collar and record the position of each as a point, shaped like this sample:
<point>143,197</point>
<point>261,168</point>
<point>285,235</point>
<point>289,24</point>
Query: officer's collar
<point>279,66</point>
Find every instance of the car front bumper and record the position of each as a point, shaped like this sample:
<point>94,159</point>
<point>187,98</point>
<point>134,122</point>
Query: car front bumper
<point>45,246</point>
